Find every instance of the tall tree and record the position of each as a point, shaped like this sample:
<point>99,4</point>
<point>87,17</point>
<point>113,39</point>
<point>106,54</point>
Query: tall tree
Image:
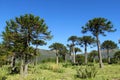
<point>108,45</point>
<point>21,34</point>
<point>73,40</point>
<point>57,47</point>
<point>98,26</point>
<point>77,50</point>
<point>117,56</point>
<point>84,42</point>
<point>92,55</point>
<point>70,51</point>
<point>63,52</point>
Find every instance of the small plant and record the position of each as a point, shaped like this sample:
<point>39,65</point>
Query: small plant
<point>86,72</point>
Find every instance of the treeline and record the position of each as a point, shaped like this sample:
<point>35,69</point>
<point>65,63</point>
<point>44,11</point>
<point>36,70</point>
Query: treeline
<point>26,31</point>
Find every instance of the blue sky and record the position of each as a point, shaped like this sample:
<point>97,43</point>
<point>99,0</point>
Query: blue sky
<point>64,17</point>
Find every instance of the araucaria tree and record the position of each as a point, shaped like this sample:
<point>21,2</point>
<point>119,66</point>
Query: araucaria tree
<point>73,40</point>
<point>21,33</point>
<point>92,55</point>
<point>77,50</point>
<point>108,45</point>
<point>84,42</point>
<point>98,26</point>
<point>57,47</point>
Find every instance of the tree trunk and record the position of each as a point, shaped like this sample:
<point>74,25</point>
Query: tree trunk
<point>99,53</point>
<point>25,69</point>
<point>26,65</point>
<point>108,57</point>
<point>73,55</point>
<point>85,53</point>
<point>36,60</point>
<point>13,61</point>
<point>56,56</point>
<point>94,60</point>
<point>36,54</point>
<point>21,69</point>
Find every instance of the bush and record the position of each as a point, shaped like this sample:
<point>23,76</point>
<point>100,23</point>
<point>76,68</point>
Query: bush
<point>49,60</point>
<point>86,72</point>
<point>66,65</point>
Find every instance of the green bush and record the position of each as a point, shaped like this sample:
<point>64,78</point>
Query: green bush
<point>86,72</point>
<point>49,60</point>
<point>66,65</point>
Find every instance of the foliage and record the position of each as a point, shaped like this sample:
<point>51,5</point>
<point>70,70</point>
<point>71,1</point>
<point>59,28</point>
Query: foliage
<point>87,72</point>
<point>92,55</point>
<point>108,44</point>
<point>58,47</point>
<point>52,67</point>
<point>80,59</point>
<point>21,34</point>
<point>84,42</point>
<point>98,26</point>
<point>109,72</point>
<point>77,50</point>
<point>66,65</point>
<point>73,39</point>
<point>117,56</point>
<point>48,60</point>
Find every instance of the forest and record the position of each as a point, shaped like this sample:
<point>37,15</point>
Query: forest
<point>19,52</point>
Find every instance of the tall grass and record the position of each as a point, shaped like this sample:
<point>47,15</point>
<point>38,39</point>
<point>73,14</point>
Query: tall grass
<point>63,71</point>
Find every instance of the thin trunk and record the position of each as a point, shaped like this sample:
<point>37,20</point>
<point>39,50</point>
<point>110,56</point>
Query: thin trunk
<point>36,60</point>
<point>99,53</point>
<point>26,65</point>
<point>73,54</point>
<point>65,58</point>
<point>25,69</point>
<point>21,69</point>
<point>94,60</point>
<point>108,57</point>
<point>13,61</point>
<point>36,55</point>
<point>85,53</point>
<point>56,56</point>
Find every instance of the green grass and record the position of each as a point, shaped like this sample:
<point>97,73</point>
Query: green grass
<point>51,71</point>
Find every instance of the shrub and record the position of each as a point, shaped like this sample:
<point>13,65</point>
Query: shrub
<point>56,68</point>
<point>86,72</point>
<point>49,60</point>
<point>66,65</point>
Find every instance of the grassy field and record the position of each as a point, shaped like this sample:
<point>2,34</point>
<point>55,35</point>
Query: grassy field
<point>51,71</point>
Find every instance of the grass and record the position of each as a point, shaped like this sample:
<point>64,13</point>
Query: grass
<point>51,71</point>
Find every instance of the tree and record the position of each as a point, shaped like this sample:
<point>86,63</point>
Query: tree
<point>77,50</point>
<point>22,33</point>
<point>85,41</point>
<point>57,47</point>
<point>108,45</point>
<point>73,40</point>
<point>98,26</point>
<point>3,56</point>
<point>70,51</point>
<point>63,52</point>
<point>117,56</point>
<point>92,55</point>
<point>80,58</point>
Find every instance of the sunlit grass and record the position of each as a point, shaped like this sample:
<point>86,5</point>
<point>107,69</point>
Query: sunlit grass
<point>51,71</point>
